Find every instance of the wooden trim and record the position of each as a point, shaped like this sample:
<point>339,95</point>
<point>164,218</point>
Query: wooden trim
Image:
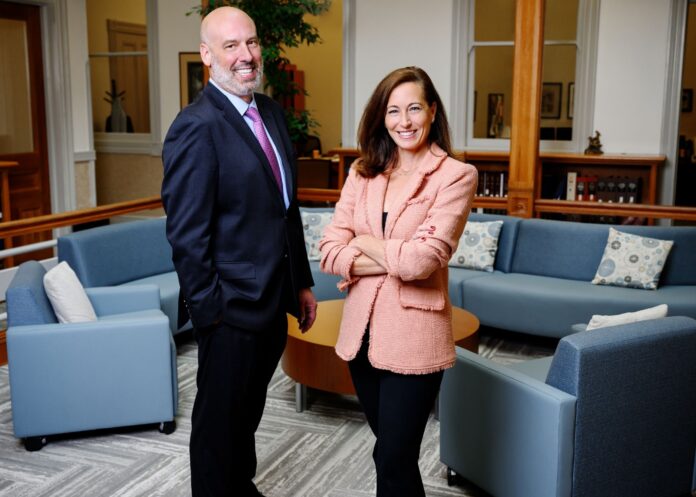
<point>51,221</point>
<point>318,194</point>
<point>526,101</point>
<point>614,209</point>
<point>490,203</point>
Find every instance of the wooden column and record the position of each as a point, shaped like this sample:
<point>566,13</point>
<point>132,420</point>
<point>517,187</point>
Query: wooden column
<point>526,96</point>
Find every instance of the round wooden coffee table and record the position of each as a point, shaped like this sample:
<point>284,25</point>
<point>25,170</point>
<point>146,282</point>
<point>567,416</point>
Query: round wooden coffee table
<point>311,361</point>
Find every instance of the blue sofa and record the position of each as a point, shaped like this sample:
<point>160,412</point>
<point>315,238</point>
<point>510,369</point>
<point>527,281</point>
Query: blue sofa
<point>126,254</point>
<point>541,283</point>
<point>610,414</point>
<point>117,371</point>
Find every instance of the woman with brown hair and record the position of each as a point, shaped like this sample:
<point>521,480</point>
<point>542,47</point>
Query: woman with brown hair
<point>398,221</point>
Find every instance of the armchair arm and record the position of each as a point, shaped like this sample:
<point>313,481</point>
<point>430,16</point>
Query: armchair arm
<point>83,376</point>
<point>508,433</point>
<point>120,299</point>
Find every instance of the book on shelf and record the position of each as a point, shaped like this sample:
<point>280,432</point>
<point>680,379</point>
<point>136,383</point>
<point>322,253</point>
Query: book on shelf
<point>492,184</point>
<point>571,185</point>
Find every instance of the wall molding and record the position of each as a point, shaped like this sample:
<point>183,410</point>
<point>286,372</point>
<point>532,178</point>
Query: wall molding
<point>348,124</point>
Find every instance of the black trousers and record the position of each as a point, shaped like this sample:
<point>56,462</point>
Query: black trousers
<point>397,407</point>
<point>235,367</point>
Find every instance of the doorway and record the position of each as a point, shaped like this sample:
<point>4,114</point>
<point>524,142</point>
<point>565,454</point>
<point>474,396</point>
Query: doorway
<point>685,194</point>
<point>23,120</point>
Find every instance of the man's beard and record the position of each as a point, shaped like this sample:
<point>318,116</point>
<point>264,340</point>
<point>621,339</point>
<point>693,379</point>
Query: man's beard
<point>226,78</point>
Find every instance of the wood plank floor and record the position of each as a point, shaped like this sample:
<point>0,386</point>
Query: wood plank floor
<point>322,452</point>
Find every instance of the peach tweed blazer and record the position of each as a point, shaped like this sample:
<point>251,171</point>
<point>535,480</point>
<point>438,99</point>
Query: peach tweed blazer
<point>408,309</point>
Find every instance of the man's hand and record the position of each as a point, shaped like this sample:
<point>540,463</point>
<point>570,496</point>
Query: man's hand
<point>308,309</point>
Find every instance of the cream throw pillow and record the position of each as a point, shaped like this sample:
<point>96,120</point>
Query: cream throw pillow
<point>600,321</point>
<point>67,295</point>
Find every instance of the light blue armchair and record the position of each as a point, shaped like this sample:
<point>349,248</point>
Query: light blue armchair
<point>612,413</point>
<point>117,371</point>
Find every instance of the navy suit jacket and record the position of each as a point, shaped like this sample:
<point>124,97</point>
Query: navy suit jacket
<point>238,253</point>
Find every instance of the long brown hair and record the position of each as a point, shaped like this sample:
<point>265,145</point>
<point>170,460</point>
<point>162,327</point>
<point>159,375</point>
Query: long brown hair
<point>377,148</point>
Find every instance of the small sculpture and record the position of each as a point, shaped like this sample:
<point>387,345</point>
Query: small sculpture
<point>118,121</point>
<point>595,146</point>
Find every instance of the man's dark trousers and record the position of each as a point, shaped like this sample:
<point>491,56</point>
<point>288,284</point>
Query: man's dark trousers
<point>235,367</point>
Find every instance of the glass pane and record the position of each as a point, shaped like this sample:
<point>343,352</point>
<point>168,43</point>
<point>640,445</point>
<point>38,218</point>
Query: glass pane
<point>120,99</point>
<point>16,134</point>
<point>558,92</point>
<point>561,20</point>
<point>493,91</point>
<point>494,20</point>
<point>120,92</point>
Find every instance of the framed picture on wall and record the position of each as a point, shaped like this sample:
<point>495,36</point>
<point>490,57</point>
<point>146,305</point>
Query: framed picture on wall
<point>190,77</point>
<point>551,100</point>
<point>571,99</point>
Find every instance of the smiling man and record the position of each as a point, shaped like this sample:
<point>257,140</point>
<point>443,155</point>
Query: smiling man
<point>229,191</point>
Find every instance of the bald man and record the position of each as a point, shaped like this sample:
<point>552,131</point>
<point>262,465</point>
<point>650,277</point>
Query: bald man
<point>229,191</point>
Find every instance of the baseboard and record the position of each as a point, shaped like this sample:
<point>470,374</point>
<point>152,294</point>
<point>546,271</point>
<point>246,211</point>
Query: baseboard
<point>3,347</point>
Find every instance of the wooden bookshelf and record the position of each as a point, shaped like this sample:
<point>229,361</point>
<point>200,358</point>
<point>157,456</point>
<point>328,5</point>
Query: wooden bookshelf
<point>644,167</point>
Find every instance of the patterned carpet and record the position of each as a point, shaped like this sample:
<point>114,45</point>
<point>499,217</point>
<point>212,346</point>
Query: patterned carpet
<point>322,452</point>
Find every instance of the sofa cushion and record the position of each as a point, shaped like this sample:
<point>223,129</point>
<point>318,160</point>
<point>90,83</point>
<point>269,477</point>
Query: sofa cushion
<point>67,295</point>
<point>632,261</point>
<point>314,220</point>
<point>117,253</point>
<point>168,284</point>
<point>325,284</point>
<point>26,298</point>
<point>457,278</point>
<point>477,246</point>
<point>572,250</point>
<point>550,306</point>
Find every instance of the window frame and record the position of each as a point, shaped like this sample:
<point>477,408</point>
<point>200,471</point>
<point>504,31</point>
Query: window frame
<point>138,143</point>
<point>464,61</point>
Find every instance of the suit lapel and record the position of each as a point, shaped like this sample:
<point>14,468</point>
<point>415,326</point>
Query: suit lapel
<point>234,119</point>
<point>274,131</point>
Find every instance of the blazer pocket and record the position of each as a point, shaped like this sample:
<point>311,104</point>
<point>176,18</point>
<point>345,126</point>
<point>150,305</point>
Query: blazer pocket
<point>236,270</point>
<point>420,294</point>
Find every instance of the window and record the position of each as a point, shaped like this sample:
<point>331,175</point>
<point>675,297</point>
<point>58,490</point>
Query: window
<point>490,67</point>
<point>120,74</point>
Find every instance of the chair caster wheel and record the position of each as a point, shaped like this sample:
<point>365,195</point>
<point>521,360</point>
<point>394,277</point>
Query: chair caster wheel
<point>167,427</point>
<point>32,444</point>
<point>452,477</point>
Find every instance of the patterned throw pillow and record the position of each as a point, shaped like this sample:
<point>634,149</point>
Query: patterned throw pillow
<point>632,261</point>
<point>477,246</point>
<point>313,222</point>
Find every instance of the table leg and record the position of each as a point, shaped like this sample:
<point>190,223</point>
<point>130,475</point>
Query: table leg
<point>300,397</point>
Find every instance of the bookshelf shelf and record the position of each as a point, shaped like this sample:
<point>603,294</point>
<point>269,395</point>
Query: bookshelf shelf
<point>550,171</point>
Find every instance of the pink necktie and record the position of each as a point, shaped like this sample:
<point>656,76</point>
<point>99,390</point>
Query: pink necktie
<point>265,143</point>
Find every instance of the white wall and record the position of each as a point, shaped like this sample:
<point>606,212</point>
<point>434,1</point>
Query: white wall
<point>177,33</point>
<point>631,74</point>
<point>79,76</point>
<point>396,33</point>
